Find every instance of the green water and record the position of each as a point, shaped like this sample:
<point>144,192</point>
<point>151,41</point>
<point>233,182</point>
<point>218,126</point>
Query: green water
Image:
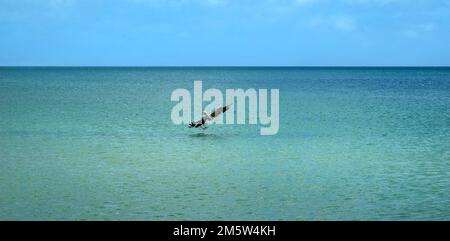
<point>98,144</point>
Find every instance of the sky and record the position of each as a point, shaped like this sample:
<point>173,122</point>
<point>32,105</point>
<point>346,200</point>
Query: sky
<point>224,32</point>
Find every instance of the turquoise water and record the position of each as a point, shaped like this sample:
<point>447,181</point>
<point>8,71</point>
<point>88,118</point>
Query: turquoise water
<point>98,144</point>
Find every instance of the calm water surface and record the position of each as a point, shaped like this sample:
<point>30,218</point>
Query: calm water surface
<point>98,143</point>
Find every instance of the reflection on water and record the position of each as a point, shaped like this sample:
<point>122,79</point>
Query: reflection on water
<point>206,135</point>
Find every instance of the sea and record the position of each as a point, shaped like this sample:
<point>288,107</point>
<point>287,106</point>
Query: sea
<point>98,143</point>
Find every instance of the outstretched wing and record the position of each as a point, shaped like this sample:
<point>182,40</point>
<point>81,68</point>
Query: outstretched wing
<point>219,111</point>
<point>214,114</point>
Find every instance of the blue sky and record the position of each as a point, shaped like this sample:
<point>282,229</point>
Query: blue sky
<point>224,32</point>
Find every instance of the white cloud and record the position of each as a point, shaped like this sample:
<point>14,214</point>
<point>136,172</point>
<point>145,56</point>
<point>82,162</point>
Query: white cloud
<point>315,22</point>
<point>371,2</point>
<point>427,27</point>
<point>344,23</point>
<point>177,3</point>
<point>31,11</point>
<point>410,33</point>
<point>216,3</point>
<point>418,30</point>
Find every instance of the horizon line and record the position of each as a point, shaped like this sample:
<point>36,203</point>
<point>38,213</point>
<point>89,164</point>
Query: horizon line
<point>224,66</point>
